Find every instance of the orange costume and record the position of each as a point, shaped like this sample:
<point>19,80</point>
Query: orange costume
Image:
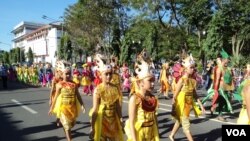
<point>164,76</point>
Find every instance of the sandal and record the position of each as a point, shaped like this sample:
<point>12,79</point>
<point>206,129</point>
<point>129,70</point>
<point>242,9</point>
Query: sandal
<point>220,118</point>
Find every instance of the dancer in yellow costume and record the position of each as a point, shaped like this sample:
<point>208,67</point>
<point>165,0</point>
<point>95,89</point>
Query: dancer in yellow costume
<point>106,115</point>
<point>34,75</point>
<point>142,122</point>
<point>67,102</point>
<point>116,78</point>
<point>244,116</point>
<point>184,100</point>
<point>56,79</point>
<point>25,74</point>
<point>19,73</point>
<point>164,80</point>
<point>76,75</point>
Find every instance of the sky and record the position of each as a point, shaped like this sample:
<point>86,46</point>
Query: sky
<point>12,12</point>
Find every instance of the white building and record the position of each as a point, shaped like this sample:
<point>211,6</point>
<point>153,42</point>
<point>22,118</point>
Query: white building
<point>43,39</point>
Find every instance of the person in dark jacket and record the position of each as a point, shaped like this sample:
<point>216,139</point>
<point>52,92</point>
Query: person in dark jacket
<point>3,73</point>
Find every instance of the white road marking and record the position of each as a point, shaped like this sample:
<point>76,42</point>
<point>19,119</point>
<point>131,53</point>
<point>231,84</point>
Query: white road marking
<point>192,115</point>
<point>25,107</point>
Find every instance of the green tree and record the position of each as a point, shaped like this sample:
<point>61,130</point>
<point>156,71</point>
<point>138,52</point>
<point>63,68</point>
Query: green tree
<point>196,16</point>
<point>229,29</point>
<point>68,50</point>
<point>237,26</point>
<point>1,56</point>
<point>124,56</point>
<point>6,57</point>
<point>115,43</point>
<point>60,51</point>
<point>30,55</point>
<point>164,27</point>
<point>88,27</point>
<point>214,41</point>
<point>17,54</point>
<point>23,56</point>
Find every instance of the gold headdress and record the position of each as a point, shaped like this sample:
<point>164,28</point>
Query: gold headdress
<point>62,65</point>
<point>188,61</point>
<point>248,67</point>
<point>144,65</point>
<point>102,63</point>
<point>114,61</point>
<point>85,65</point>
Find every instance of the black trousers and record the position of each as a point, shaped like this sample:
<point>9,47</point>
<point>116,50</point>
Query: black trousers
<point>4,79</point>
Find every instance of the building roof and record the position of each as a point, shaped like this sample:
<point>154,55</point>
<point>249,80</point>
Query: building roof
<point>31,25</point>
<point>38,31</point>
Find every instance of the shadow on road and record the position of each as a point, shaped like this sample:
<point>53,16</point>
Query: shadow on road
<point>216,134</point>
<point>11,132</point>
<point>9,129</point>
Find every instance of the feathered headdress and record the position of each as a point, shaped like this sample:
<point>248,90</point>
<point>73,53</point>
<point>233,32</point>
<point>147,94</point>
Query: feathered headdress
<point>102,63</point>
<point>188,61</point>
<point>224,54</point>
<point>144,65</point>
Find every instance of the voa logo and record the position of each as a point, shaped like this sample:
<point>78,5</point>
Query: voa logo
<point>236,132</point>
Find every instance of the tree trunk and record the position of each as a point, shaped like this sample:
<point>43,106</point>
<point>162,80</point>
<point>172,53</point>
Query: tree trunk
<point>237,45</point>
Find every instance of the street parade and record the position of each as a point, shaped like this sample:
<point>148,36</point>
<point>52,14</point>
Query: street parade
<point>106,73</point>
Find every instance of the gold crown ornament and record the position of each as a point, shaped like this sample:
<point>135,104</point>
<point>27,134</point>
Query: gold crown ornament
<point>102,63</point>
<point>144,65</point>
<point>188,61</point>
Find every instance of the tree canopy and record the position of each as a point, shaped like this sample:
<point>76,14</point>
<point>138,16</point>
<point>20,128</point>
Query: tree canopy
<point>164,27</point>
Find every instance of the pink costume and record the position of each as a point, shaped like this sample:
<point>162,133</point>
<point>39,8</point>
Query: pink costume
<point>126,79</point>
<point>87,82</point>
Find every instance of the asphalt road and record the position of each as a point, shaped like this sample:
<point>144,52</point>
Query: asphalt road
<point>24,117</point>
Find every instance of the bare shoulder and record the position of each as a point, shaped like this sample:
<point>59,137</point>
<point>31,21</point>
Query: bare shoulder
<point>246,88</point>
<point>59,85</point>
<point>132,99</point>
